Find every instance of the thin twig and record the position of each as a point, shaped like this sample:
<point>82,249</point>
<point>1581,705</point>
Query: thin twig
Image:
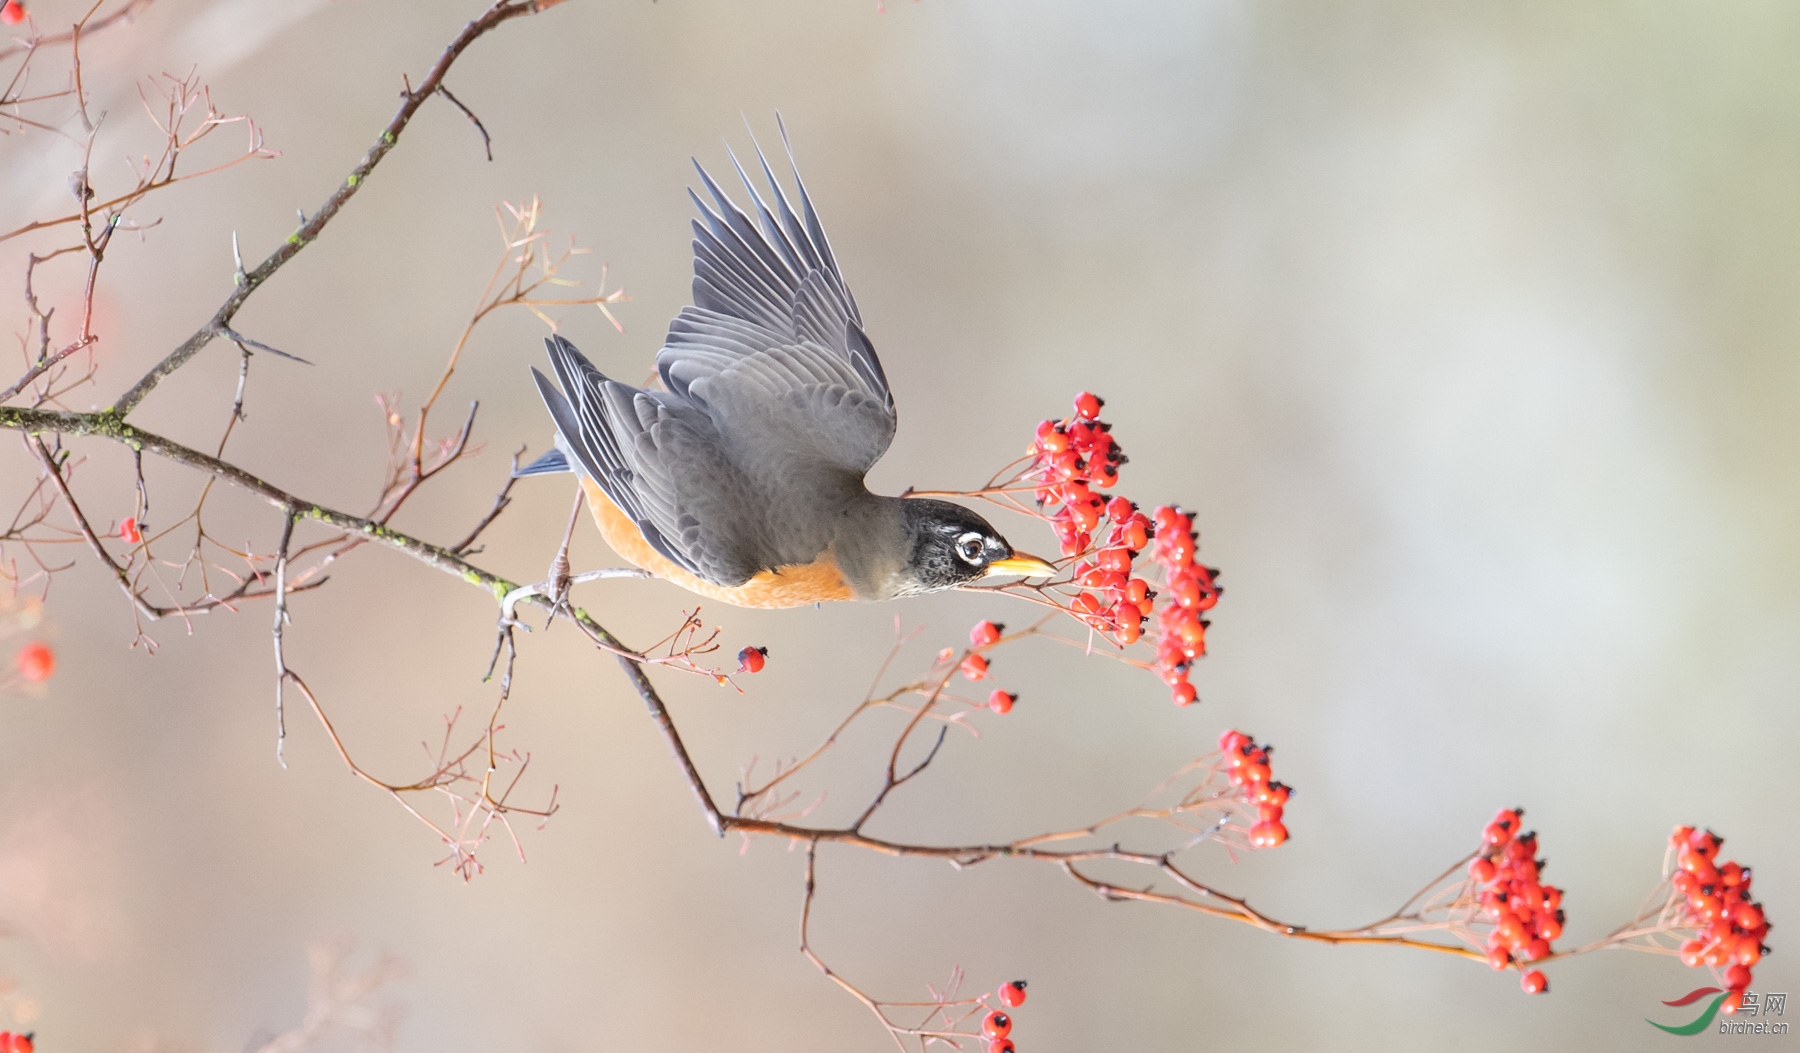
<point>502,11</point>
<point>487,144</point>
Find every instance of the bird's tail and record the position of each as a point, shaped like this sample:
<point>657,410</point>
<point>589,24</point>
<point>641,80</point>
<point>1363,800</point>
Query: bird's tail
<point>549,464</point>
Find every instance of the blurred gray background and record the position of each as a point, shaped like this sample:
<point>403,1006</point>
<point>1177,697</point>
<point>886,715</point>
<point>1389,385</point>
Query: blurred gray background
<point>1468,332</point>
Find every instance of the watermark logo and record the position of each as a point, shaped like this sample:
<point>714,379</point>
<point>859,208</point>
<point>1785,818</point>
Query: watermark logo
<point>1749,1004</point>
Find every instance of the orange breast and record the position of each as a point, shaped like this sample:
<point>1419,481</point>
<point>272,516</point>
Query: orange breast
<point>794,586</point>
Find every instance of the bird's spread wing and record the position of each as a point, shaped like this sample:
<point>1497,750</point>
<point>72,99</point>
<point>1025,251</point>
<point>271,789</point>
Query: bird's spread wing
<point>773,339</point>
<point>662,462</point>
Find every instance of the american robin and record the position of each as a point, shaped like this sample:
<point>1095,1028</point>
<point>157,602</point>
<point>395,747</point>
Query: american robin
<point>741,478</point>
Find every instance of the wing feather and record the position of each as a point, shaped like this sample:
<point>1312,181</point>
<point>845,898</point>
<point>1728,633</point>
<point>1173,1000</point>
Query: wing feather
<point>770,380</point>
<point>771,311</point>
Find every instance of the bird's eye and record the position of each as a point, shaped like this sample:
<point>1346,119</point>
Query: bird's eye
<point>970,547</point>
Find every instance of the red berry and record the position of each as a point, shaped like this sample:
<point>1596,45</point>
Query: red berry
<point>1233,741</point>
<point>128,529</point>
<point>36,662</point>
<point>1497,957</point>
<point>1012,994</point>
<point>1534,982</point>
<point>975,667</point>
<point>1254,772</point>
<point>12,14</point>
<point>1270,793</point>
<point>1481,868</point>
<point>12,1042</point>
<point>1000,1045</point>
<point>1703,871</point>
<point>1002,701</point>
<point>1737,977</point>
<point>751,659</point>
<point>985,634</point>
<point>1732,1002</point>
<point>1267,834</point>
<point>1184,693</point>
<point>1705,844</point>
<point>1087,405</point>
<point>996,1024</point>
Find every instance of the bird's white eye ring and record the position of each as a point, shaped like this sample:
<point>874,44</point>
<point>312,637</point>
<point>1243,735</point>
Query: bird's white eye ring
<point>970,547</point>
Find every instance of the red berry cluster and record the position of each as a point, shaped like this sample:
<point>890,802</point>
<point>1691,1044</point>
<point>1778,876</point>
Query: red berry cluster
<point>975,664</point>
<point>997,1024</point>
<point>1112,600</point>
<point>1180,631</point>
<point>1073,461</point>
<point>1247,766</point>
<point>1527,914</point>
<point>1730,928</point>
<point>1072,458</point>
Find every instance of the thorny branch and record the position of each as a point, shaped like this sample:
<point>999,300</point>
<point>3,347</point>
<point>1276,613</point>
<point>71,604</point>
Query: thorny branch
<point>296,564</point>
<point>249,281</point>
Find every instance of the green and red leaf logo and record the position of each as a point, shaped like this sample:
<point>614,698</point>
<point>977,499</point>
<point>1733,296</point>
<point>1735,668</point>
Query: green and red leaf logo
<point>1698,1024</point>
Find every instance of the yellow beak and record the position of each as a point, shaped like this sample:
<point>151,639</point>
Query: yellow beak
<point>1021,565</point>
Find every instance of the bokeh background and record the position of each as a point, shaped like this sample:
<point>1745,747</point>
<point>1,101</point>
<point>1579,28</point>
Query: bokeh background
<point>1469,332</point>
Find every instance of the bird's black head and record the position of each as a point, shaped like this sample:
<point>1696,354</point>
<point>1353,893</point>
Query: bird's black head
<point>953,546</point>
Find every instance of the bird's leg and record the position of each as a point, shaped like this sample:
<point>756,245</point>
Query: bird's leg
<point>558,578</point>
<point>555,587</point>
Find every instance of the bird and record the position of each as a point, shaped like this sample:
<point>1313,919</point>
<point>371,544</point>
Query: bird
<point>739,473</point>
